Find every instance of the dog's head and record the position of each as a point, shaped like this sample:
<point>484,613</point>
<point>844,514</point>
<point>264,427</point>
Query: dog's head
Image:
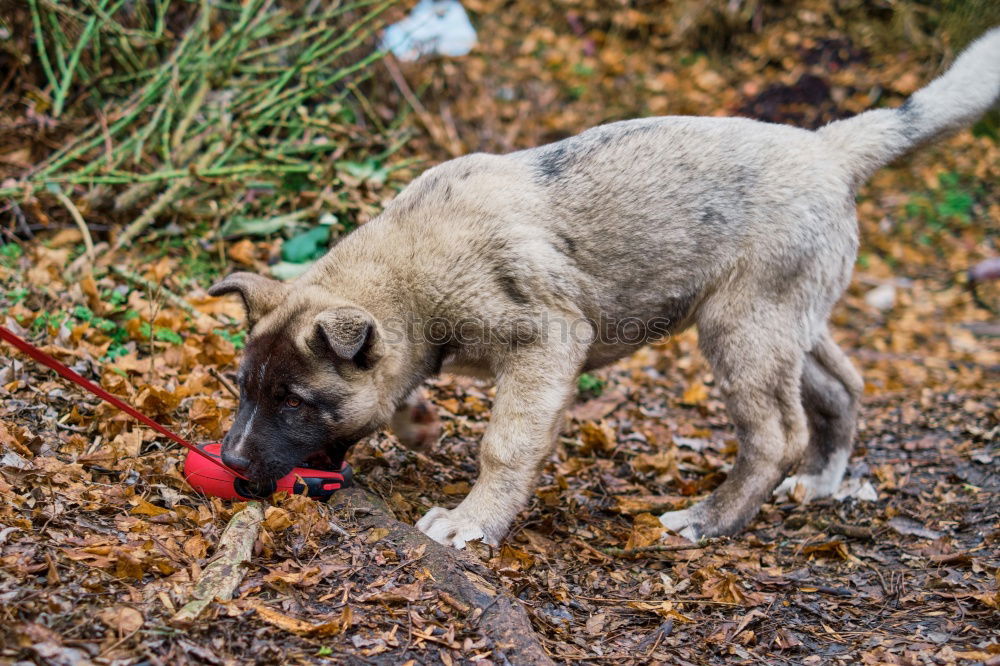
<point>309,380</point>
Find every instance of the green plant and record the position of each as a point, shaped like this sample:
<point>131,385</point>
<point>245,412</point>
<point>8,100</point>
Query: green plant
<point>9,254</point>
<point>242,95</point>
<point>944,208</point>
<point>237,338</point>
<point>589,385</point>
<point>18,295</point>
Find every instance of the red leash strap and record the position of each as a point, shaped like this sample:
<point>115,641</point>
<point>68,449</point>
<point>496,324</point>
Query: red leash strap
<point>43,358</point>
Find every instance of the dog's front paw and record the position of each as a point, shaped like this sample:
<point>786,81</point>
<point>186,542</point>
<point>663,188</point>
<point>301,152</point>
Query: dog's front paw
<point>686,523</point>
<point>451,528</point>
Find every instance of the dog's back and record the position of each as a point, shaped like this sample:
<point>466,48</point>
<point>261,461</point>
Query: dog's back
<point>643,218</point>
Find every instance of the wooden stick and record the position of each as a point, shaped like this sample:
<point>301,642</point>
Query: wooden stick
<point>225,382</point>
<point>437,133</point>
<point>460,580</point>
<point>74,212</point>
<point>220,579</point>
<point>660,548</point>
<point>169,195</point>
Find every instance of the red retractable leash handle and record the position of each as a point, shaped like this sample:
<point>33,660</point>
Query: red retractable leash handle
<point>205,472</point>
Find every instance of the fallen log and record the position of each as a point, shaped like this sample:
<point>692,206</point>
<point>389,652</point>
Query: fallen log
<point>222,576</point>
<point>460,580</point>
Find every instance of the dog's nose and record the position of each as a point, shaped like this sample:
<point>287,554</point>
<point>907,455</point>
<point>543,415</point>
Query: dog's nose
<point>236,462</point>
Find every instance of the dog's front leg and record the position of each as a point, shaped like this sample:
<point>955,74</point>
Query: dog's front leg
<point>533,387</point>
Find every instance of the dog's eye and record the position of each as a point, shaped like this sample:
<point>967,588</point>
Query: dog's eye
<point>293,401</point>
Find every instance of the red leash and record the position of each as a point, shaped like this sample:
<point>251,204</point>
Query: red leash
<point>40,356</point>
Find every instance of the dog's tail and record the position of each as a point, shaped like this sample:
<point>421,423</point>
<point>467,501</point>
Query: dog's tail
<point>968,89</point>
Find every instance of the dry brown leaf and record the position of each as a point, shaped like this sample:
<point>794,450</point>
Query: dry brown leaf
<point>596,437</point>
<point>514,559</point>
<point>122,619</point>
<point>663,463</point>
<point>399,594</point>
<point>303,628</point>
<point>647,530</point>
<point>832,548</point>
<point>244,252</point>
<point>377,534</point>
<point>144,508</point>
<point>695,394</point>
<point>460,488</point>
<point>633,504</point>
<point>277,519</point>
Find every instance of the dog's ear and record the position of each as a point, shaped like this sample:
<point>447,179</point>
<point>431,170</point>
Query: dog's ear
<point>351,333</point>
<point>260,294</point>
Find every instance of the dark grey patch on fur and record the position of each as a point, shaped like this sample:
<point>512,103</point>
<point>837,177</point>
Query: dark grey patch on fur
<point>677,311</point>
<point>554,162</point>
<point>604,138</point>
<point>909,120</point>
<point>712,217</point>
<point>789,271</point>
<point>509,285</point>
<point>568,245</point>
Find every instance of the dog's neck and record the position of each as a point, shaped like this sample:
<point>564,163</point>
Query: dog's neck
<point>360,271</point>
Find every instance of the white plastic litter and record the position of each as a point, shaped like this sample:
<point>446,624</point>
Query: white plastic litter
<point>433,27</point>
<point>882,297</point>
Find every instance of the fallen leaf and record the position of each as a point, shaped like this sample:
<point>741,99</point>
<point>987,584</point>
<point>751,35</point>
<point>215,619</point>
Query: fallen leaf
<point>596,437</point>
<point>301,627</point>
<point>695,394</point>
<point>514,559</point>
<point>647,530</point>
<point>277,519</point>
<point>908,527</point>
<point>244,252</point>
<point>122,619</point>
<point>633,504</point>
<point>377,534</point>
<point>144,508</point>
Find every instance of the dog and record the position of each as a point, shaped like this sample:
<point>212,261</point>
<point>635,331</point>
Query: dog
<point>534,266</point>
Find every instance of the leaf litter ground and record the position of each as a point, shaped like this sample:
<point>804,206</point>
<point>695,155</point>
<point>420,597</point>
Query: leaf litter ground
<point>100,540</point>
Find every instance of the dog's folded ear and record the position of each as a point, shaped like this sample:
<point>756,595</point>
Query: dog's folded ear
<point>260,294</point>
<point>351,333</point>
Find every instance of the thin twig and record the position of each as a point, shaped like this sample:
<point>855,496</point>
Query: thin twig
<point>225,382</point>
<point>338,529</point>
<point>646,600</point>
<point>164,200</point>
<point>437,133</point>
<point>659,548</point>
<point>74,212</point>
<point>400,566</point>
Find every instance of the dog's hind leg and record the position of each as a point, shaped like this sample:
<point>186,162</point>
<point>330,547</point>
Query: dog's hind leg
<point>756,355</point>
<point>831,392</point>
<point>415,423</point>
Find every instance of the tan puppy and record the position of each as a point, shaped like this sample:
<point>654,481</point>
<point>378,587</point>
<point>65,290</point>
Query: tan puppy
<point>534,266</point>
